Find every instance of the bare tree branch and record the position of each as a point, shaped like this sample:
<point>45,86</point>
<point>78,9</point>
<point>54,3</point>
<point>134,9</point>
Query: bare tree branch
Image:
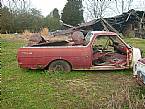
<point>96,8</point>
<point>16,4</point>
<point>99,8</point>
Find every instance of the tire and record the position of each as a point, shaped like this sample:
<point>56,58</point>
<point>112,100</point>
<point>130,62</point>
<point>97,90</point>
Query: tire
<point>59,65</point>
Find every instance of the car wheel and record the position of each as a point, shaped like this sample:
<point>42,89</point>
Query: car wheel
<point>59,65</point>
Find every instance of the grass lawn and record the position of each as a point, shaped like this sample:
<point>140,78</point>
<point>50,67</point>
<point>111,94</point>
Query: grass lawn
<point>38,89</point>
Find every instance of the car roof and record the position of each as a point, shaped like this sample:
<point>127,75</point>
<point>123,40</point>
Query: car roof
<point>103,33</point>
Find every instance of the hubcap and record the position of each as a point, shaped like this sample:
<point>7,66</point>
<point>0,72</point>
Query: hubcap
<point>58,68</point>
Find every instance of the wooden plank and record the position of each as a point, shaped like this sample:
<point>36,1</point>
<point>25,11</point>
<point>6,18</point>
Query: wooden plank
<point>110,26</point>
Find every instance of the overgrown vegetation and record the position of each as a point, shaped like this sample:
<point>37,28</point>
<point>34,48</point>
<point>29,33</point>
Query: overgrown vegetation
<point>17,21</point>
<point>38,89</point>
<point>138,43</point>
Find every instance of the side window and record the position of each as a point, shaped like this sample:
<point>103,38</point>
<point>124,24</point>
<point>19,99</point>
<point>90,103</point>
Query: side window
<point>103,43</point>
<point>88,37</point>
<point>102,40</point>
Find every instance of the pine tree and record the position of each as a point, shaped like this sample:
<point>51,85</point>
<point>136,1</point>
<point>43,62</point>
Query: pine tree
<point>56,13</point>
<point>72,12</point>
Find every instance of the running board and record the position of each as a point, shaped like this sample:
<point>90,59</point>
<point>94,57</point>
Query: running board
<point>105,68</point>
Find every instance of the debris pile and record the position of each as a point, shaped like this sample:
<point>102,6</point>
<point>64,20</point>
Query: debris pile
<point>131,22</point>
<point>36,39</point>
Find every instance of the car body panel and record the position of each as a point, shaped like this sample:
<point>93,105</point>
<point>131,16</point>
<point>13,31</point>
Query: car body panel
<point>40,57</point>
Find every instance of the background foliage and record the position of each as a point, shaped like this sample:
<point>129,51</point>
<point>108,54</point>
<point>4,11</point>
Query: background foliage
<point>16,21</point>
<point>72,12</point>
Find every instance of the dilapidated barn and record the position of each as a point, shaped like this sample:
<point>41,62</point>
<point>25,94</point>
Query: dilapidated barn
<point>131,23</point>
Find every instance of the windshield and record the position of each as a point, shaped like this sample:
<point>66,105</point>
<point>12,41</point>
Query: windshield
<point>88,37</point>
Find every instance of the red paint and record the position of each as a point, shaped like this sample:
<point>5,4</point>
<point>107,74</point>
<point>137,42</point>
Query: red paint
<point>80,57</point>
<point>77,56</point>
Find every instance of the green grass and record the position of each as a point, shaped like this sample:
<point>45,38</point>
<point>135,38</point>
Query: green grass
<point>39,89</point>
<point>138,43</point>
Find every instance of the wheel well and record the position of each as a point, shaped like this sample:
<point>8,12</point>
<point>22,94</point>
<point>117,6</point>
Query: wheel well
<point>58,60</point>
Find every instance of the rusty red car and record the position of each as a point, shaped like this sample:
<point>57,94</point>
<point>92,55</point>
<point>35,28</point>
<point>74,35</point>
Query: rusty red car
<point>101,50</point>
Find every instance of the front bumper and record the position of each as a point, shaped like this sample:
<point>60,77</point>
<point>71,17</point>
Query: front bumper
<point>140,73</point>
